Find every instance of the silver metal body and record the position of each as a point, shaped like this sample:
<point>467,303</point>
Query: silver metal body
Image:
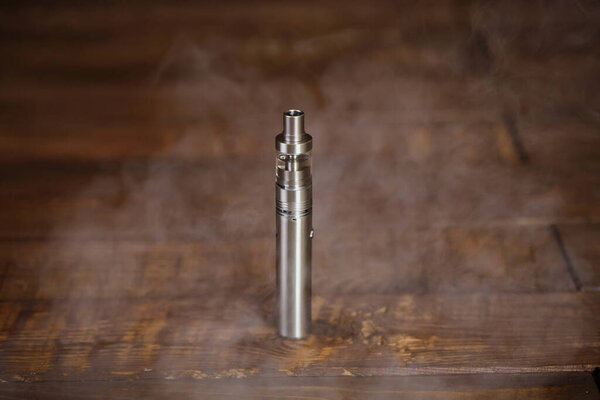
<point>294,226</point>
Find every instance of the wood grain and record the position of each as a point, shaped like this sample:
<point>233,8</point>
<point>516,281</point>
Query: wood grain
<point>552,386</point>
<point>223,333</point>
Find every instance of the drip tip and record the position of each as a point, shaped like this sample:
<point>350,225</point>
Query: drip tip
<point>293,125</point>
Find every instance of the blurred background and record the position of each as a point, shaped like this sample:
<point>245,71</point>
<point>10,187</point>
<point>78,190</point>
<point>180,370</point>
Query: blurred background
<point>456,189</point>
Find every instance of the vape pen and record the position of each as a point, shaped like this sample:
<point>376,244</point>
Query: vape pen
<point>294,226</point>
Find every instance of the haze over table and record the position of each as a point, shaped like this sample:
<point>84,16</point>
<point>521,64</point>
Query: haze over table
<point>456,198</point>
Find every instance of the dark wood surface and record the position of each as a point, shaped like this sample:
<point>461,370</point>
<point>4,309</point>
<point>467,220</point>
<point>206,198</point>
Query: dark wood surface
<point>456,181</point>
<point>464,387</point>
<point>582,244</point>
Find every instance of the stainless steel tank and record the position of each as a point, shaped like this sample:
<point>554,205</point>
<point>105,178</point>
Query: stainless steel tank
<point>294,226</point>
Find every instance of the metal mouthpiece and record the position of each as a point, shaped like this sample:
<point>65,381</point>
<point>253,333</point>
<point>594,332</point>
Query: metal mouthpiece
<point>293,125</point>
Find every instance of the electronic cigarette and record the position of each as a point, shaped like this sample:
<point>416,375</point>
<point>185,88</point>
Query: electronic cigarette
<point>294,226</point>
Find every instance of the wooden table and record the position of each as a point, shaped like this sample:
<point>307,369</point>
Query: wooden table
<point>457,201</point>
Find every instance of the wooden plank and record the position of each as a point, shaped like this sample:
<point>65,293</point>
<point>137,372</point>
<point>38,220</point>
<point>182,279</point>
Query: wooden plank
<point>355,30</point>
<point>419,187</point>
<point>24,21</point>
<point>448,260</point>
<point>582,245</point>
<point>552,386</point>
<point>220,334</point>
<point>431,77</point>
<point>190,116</point>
